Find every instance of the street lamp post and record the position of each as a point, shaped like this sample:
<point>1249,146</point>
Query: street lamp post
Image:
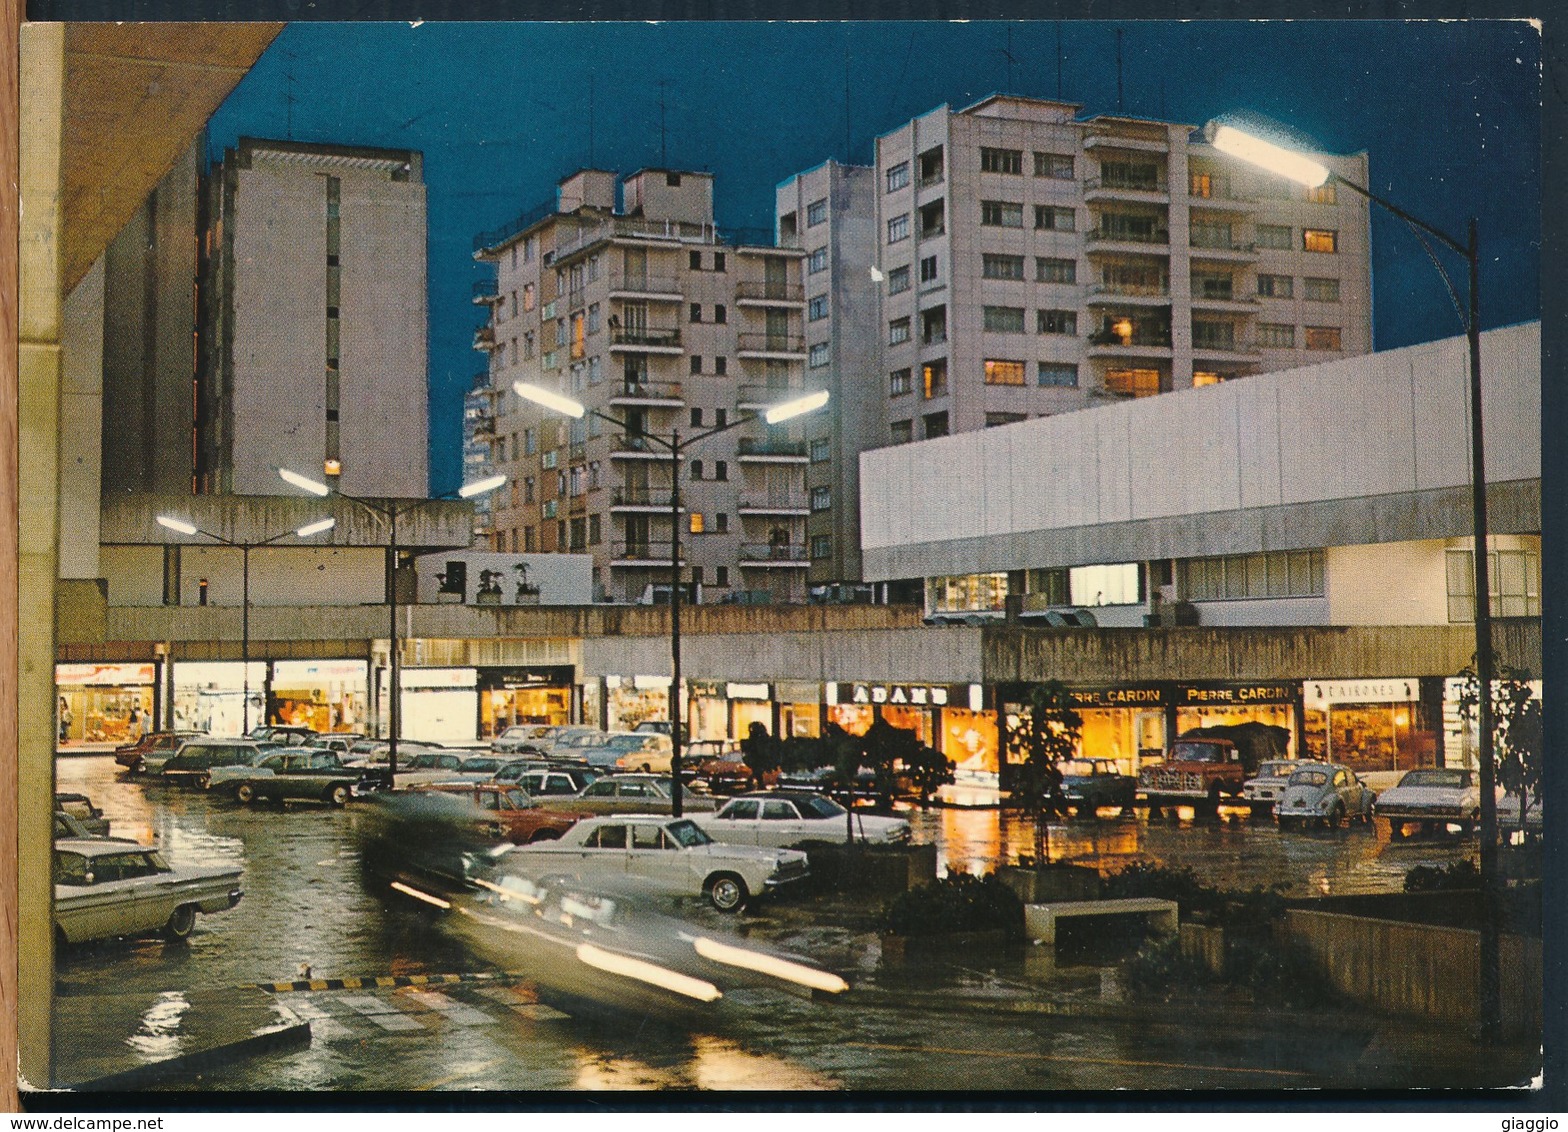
<point>676,445</point>
<point>185,528</point>
<point>390,511</point>
<point>1302,169</point>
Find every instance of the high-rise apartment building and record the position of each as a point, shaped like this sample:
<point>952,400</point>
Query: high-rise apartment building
<point>647,314</point>
<point>312,348</point>
<point>1030,262</point>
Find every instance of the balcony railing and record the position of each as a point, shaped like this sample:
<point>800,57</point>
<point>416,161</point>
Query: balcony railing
<point>773,552</point>
<point>772,343</point>
<point>651,551</point>
<point>1136,338</point>
<point>756,291</point>
<point>1222,194</point>
<point>633,227</point>
<point>498,236</point>
<point>1127,236</point>
<point>752,446</point>
<point>1212,245</point>
<point>644,284</point>
<point>655,336</point>
<point>637,444</point>
<point>1205,345</point>
<point>1135,290</point>
<point>647,391</point>
<point>1127,184</point>
<point>787,505</point>
<point>487,291</point>
<point>933,178</point>
<point>641,497</point>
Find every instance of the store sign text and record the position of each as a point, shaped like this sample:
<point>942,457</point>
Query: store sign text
<point>897,694</point>
<point>1238,694</point>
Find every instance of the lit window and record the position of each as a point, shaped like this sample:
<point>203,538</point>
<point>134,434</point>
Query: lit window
<point>1133,382</point>
<point>933,376</point>
<point>696,525</point>
<point>1104,585</point>
<point>1319,240</point>
<point>1322,338</point>
<point>1003,372</point>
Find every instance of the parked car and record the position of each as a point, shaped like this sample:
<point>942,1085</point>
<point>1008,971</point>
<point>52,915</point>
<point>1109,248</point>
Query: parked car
<point>1088,784</point>
<point>519,735</point>
<point>131,754</point>
<point>67,826</point>
<point>549,781</point>
<point>106,888</point>
<point>628,794</point>
<point>657,726</point>
<point>782,819</point>
<point>339,741</point>
<point>195,761</point>
<point>296,773</point>
<point>512,814</point>
<point>1326,793</point>
<point>628,750</point>
<point>81,808</point>
<point>377,752</point>
<point>1266,787</point>
<point>1508,812</point>
<point>820,779</point>
<point>724,774</point>
<point>288,734</point>
<point>658,856</point>
<point>446,766</point>
<point>1431,796</point>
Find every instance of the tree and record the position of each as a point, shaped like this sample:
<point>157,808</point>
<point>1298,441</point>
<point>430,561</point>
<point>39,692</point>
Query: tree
<point>760,751</point>
<point>1046,732</point>
<point>1517,739</point>
<point>929,770</point>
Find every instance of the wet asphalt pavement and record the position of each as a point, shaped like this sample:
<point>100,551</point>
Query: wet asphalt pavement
<point>306,904</point>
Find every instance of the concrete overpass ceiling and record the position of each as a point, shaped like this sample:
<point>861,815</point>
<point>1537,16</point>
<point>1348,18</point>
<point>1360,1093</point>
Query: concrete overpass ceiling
<point>135,97</point>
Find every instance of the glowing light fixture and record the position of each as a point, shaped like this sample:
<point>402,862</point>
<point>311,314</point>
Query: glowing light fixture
<point>480,487</point>
<point>800,406</point>
<point>769,965</point>
<point>304,483</point>
<point>552,401</point>
<point>332,467</point>
<point>649,973</point>
<point>316,528</point>
<point>176,525</point>
<point>1266,155</point>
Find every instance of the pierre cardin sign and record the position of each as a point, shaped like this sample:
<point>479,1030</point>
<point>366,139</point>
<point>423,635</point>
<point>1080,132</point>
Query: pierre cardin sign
<point>1234,695</point>
<point>1133,696</point>
<point>917,695</point>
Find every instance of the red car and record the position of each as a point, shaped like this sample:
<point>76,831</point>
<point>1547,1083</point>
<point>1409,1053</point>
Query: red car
<point>510,814</point>
<point>131,754</point>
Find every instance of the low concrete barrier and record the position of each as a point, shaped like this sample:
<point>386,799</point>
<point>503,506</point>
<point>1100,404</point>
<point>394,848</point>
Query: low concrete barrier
<point>1420,969</point>
<point>1041,920</point>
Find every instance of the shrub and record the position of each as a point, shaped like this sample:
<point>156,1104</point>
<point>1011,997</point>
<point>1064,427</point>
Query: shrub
<point>1276,975</point>
<point>1454,877</point>
<point>1243,909</point>
<point>957,903</point>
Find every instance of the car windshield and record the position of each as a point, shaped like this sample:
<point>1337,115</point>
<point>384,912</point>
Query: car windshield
<point>687,835</point>
<point>1275,770</point>
<point>1197,753</point>
<point>814,807</point>
<point>626,742</point>
<point>1435,778</point>
<point>1076,766</point>
<point>1308,778</point>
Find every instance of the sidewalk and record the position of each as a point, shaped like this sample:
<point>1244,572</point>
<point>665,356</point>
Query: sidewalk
<point>128,1041</point>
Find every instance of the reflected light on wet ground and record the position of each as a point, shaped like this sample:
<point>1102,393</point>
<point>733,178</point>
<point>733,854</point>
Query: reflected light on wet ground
<point>710,1063</point>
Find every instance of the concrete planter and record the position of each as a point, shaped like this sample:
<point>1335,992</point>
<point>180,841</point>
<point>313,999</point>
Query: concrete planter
<point>487,599</point>
<point>1205,944</point>
<point>880,870</point>
<point>898,949</point>
<point>1050,884</point>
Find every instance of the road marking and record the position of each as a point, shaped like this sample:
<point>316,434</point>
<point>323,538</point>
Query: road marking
<point>458,1012</point>
<point>1082,1060</point>
<point>383,1014</point>
<point>322,1024</point>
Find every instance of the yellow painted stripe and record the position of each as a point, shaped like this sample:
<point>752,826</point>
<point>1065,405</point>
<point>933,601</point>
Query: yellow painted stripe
<point>352,983</point>
<point>318,984</point>
<point>386,981</point>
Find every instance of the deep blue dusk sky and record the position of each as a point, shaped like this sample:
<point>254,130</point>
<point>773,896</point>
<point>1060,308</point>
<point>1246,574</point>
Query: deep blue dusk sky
<point>1449,112</point>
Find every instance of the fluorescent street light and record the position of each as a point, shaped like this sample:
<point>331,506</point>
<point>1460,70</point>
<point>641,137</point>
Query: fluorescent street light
<point>549,400</point>
<point>480,487</point>
<point>176,525</point>
<point>796,408</point>
<point>304,482</point>
<point>316,528</point>
<point>1267,155</point>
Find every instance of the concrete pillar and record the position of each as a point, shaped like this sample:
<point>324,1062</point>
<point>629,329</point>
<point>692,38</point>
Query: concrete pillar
<point>37,483</point>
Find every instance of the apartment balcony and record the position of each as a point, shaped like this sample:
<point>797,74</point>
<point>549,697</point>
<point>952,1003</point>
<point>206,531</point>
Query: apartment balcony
<point>641,554</point>
<point>1130,294</point>
<point>1138,190</point>
<point>1223,199</point>
<point>483,384</point>
<point>486,291</point>
<point>1231,304</point>
<point>1122,141</point>
<point>648,394</point>
<point>484,339</point>
<point>756,293</point>
<point>646,288</point>
<point>484,426</point>
<point>637,448</point>
<point>641,500</point>
<point>1234,251</point>
<point>773,556</point>
<point>1121,241</point>
<point>1138,344</point>
<point>645,340</point>
<point>577,452</point>
<point>1226,349</point>
<point>752,450</point>
<point>630,229</point>
<point>790,505</point>
<point>760,397</point>
<point>780,347</point>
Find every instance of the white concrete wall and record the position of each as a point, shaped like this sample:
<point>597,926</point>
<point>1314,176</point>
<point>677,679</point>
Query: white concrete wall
<point>287,576</point>
<point>563,579</point>
<point>81,425</point>
<point>1381,424</point>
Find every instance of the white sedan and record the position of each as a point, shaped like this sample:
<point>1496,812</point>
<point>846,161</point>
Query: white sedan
<point>657,856</point>
<point>1433,796</point>
<point>780,819</point>
<point>106,888</point>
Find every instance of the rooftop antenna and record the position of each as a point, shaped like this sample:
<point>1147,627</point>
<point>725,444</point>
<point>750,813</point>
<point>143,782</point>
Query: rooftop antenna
<point>1119,108</point>
<point>663,160</point>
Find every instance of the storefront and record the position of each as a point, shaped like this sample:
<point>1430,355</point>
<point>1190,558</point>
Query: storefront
<point>800,708</point>
<point>324,695</point>
<point>1225,704</point>
<point>1372,725</point>
<point>104,703</point>
<point>209,695</point>
<point>440,705</point>
<point>629,700</point>
<point>1124,723</point>
<point>1460,736</point>
<point>749,703</point>
<point>523,695</point>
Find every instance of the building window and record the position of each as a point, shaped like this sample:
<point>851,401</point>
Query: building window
<point>1239,577</point>
<point>933,379</point>
<point>721,575</point>
<point>721,365</point>
<point>1322,338</point>
<point>898,280</point>
<point>820,450</point>
<point>695,524</point>
<point>718,261</point>
<point>898,228</point>
<point>696,418</point>
<point>1005,320</point>
<point>816,212</point>
<point>1115,584</point>
<point>593,318</point>
<point>1321,290</point>
<point>529,545</point>
<point>817,261</point>
<point>1275,237</point>
<point>696,312</point>
<point>1276,286</point>
<point>935,425</point>
<point>817,356</point>
<point>898,177</point>
<point>897,331</point>
<point>721,313</point>
<point>1319,240</point>
<point>817,309</point>
<point>550,508</point>
<point>1514,577</point>
<point>1133,382</point>
<point>1323,194</point>
<point>1048,270</point>
<point>1213,335</point>
<point>721,468</point>
<point>1056,322</point>
<point>1206,286</point>
<point>898,382</point>
<point>932,220</point>
<point>1001,214</point>
<point>1058,374</point>
<point>1054,219</point>
<point>696,469</point>
<point>821,498</point>
<point>694,260</point>
<point>928,269</point>
<point>821,546</point>
<point>902,432</point>
<point>1003,372</point>
<point>1002,266</point>
<point>595,530</point>
<point>1210,235</point>
<point>721,523</point>
<point>528,489</point>
<point>696,363</point>
<point>1276,336</point>
<point>1200,378</point>
<point>1055,165</point>
<point>1001,160</point>
<point>530,443</point>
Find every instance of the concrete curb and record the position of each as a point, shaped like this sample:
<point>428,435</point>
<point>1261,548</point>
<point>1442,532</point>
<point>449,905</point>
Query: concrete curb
<point>285,1037</point>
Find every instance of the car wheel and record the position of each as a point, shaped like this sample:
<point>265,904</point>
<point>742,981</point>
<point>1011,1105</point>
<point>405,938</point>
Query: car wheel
<point>181,921</point>
<point>205,782</point>
<point>1332,819</point>
<point>726,892</point>
<point>244,792</point>
<point>338,795</point>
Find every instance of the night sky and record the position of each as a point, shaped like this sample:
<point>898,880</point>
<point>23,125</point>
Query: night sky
<point>1449,112</point>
